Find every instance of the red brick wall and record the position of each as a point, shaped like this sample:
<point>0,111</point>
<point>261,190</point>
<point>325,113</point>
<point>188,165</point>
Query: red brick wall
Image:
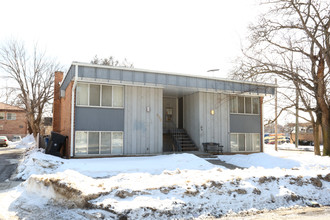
<point>65,117</point>
<point>62,110</point>
<point>306,137</point>
<point>57,102</point>
<point>14,127</point>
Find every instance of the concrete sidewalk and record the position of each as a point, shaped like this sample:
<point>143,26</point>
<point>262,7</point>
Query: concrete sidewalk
<point>213,159</point>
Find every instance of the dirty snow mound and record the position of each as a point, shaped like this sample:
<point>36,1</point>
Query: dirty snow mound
<point>183,193</point>
<point>36,162</point>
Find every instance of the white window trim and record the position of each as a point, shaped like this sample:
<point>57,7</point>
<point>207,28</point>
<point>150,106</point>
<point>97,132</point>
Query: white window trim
<point>88,99</point>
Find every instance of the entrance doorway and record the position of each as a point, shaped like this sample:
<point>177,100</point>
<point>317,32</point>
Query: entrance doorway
<point>180,113</point>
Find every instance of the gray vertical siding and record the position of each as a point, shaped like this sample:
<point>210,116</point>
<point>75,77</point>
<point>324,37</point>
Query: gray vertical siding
<point>191,116</point>
<point>99,119</point>
<point>240,123</point>
<point>143,130</point>
<point>214,128</point>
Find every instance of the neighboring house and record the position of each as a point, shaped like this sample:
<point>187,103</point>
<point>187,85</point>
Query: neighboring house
<point>108,110</point>
<point>305,133</point>
<point>12,121</point>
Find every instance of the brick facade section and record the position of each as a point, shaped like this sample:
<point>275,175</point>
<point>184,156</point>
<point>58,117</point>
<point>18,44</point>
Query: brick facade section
<point>62,111</point>
<point>57,102</point>
<point>305,137</point>
<point>18,126</point>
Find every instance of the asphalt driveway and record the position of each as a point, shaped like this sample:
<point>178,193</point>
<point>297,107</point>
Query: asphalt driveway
<point>9,159</point>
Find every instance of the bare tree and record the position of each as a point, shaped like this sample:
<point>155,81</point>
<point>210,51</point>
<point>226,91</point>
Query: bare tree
<point>292,41</point>
<point>6,91</point>
<point>33,76</point>
<point>111,61</point>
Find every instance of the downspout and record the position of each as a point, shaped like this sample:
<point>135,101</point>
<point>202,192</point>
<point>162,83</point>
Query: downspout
<point>72,108</point>
<point>262,143</point>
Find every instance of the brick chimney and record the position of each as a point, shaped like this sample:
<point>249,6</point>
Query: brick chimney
<point>57,102</point>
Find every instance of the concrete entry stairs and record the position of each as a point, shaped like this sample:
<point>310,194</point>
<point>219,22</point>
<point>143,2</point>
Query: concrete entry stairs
<point>182,140</point>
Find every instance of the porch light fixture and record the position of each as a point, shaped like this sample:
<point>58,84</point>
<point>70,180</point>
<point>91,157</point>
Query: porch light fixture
<point>212,112</point>
<point>148,108</point>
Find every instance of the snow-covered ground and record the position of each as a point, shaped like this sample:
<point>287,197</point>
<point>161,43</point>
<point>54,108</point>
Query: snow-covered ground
<point>165,186</point>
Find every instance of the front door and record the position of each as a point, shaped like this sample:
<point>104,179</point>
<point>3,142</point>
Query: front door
<point>180,113</point>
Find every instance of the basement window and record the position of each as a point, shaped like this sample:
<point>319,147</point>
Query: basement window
<point>245,142</point>
<point>99,143</point>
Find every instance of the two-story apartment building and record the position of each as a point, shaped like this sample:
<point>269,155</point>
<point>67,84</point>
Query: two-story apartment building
<point>12,121</point>
<point>108,110</point>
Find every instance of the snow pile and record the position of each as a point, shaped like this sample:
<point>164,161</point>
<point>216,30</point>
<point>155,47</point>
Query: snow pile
<point>39,163</point>
<point>36,162</point>
<point>259,160</point>
<point>184,193</point>
<point>278,159</point>
<point>26,143</point>
<point>177,186</point>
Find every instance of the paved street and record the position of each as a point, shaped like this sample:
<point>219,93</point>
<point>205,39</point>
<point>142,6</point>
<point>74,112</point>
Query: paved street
<point>301,213</point>
<point>9,159</point>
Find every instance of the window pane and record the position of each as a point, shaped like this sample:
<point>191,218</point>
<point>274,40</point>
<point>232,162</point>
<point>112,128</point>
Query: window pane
<point>94,95</point>
<point>256,142</point>
<point>241,142</point>
<point>106,96</point>
<point>240,104</point>
<point>82,94</point>
<point>248,109</point>
<point>105,142</point>
<point>93,142</point>
<point>2,115</point>
<point>117,143</point>
<point>11,116</point>
<point>81,142</point>
<point>249,146</point>
<point>233,142</point>
<point>233,104</point>
<point>118,96</point>
<point>255,105</point>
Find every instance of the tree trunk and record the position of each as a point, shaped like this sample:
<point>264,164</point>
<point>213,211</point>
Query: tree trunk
<point>322,104</point>
<point>316,133</point>
<point>326,133</point>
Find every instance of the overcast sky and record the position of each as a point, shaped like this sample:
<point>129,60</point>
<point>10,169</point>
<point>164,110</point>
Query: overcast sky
<point>176,36</point>
<point>182,36</point>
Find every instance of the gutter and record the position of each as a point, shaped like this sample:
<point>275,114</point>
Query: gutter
<point>72,108</point>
